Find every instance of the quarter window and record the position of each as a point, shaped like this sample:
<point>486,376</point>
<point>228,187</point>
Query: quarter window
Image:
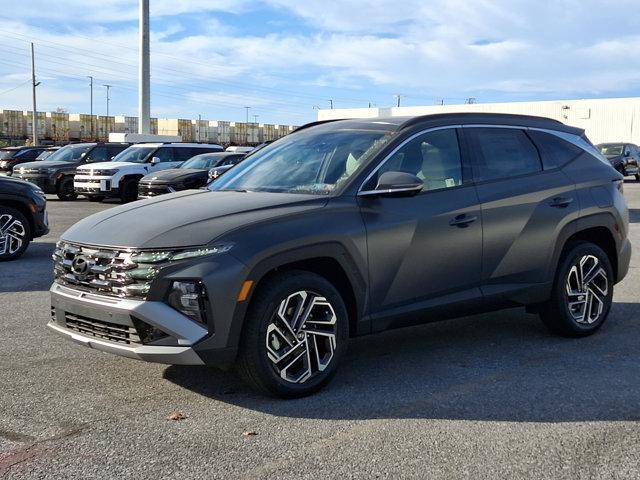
<point>554,150</point>
<point>502,153</point>
<point>433,157</point>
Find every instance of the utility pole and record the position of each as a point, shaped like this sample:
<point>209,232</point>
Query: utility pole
<point>34,84</point>
<point>331,103</point>
<point>198,128</point>
<point>91,104</point>
<point>255,118</point>
<point>398,97</point>
<point>108,87</point>
<point>144,84</point>
<point>247,112</point>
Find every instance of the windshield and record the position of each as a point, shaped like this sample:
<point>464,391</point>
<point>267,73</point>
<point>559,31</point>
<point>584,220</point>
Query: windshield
<point>611,149</point>
<point>70,153</point>
<point>201,162</point>
<point>134,154</point>
<point>313,161</point>
<point>45,154</point>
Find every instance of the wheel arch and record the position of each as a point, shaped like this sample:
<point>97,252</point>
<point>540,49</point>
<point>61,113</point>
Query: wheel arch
<point>329,260</point>
<point>23,209</point>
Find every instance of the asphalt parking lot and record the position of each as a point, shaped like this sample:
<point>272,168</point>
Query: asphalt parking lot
<point>489,396</point>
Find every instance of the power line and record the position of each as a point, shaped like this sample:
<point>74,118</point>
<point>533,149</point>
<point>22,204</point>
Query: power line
<point>16,87</point>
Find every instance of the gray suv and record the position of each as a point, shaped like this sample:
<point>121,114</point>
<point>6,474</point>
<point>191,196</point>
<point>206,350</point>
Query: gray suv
<point>346,228</point>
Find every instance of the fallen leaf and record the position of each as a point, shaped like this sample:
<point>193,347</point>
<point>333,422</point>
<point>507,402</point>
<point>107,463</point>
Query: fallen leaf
<point>175,415</point>
<point>249,434</point>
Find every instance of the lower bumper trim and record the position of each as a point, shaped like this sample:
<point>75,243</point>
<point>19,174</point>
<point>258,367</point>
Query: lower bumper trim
<point>147,353</point>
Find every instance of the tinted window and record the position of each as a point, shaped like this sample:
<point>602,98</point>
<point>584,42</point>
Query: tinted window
<point>554,150</point>
<point>502,153</point>
<point>185,153</point>
<point>231,160</point>
<point>433,157</point>
<point>116,149</point>
<point>99,154</point>
<point>166,154</point>
<point>30,154</point>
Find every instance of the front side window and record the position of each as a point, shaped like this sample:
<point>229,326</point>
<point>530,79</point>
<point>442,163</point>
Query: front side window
<point>134,154</point>
<point>502,153</point>
<point>314,161</point>
<point>166,154</point>
<point>611,149</point>
<point>200,162</point>
<point>99,154</point>
<point>433,157</point>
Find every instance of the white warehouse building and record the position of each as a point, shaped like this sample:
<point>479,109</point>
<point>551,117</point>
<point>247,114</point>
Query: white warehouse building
<point>604,120</point>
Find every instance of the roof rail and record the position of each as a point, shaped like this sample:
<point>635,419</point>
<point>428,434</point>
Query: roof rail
<point>436,116</point>
<point>319,122</point>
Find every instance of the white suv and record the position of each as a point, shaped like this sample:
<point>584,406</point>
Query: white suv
<point>119,177</point>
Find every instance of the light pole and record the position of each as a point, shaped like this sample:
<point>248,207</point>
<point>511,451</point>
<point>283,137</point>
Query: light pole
<point>34,84</point>
<point>91,104</point>
<point>144,83</point>
<point>255,118</point>
<point>108,87</point>
<point>247,112</point>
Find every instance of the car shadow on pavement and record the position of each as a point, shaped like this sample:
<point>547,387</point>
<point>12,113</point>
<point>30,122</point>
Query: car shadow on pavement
<point>33,271</point>
<point>503,366</point>
<point>634,215</point>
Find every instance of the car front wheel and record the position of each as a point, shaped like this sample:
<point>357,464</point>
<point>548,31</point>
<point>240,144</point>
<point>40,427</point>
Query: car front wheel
<point>582,292</point>
<point>295,333</point>
<point>15,233</point>
<point>66,191</point>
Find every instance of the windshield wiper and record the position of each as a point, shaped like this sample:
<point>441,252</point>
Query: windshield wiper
<point>241,190</point>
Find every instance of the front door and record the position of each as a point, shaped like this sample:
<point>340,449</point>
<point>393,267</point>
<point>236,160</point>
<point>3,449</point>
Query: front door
<point>425,250</point>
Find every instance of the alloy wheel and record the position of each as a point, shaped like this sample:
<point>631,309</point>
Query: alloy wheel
<point>12,234</point>
<point>301,336</point>
<point>587,290</point>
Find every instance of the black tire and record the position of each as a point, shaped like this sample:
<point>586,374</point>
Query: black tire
<point>254,364</point>
<point>129,191</point>
<point>557,315</point>
<point>65,189</point>
<point>637,175</point>
<point>95,198</point>
<point>8,216</point>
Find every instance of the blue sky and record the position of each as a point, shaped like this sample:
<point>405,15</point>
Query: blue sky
<point>285,57</point>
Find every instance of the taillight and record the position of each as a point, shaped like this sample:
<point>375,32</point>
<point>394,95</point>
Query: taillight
<point>619,185</point>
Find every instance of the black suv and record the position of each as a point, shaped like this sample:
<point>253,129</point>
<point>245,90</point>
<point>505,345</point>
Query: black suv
<point>345,228</point>
<point>625,157</point>
<point>55,173</point>
<point>194,173</point>
<point>12,156</point>
<point>23,216</point>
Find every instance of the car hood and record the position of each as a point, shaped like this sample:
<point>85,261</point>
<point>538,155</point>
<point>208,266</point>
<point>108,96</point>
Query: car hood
<point>109,165</point>
<point>45,164</point>
<point>172,175</point>
<point>185,219</point>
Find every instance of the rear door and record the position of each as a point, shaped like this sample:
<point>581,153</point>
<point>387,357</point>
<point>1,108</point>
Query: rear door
<point>424,251</point>
<point>526,201</point>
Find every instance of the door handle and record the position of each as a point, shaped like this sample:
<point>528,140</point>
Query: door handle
<point>462,221</point>
<point>561,202</point>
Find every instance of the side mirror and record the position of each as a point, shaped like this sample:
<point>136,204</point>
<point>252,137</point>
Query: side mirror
<point>396,183</point>
<point>113,157</point>
<point>155,160</point>
<point>627,153</point>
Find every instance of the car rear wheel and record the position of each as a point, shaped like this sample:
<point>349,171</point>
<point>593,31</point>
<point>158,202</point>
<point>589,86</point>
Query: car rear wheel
<point>295,333</point>
<point>65,189</point>
<point>15,233</point>
<point>129,191</point>
<point>637,175</point>
<point>582,292</point>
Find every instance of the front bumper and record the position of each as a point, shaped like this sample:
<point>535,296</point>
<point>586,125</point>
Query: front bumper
<point>102,186</point>
<point>102,317</point>
<point>46,182</point>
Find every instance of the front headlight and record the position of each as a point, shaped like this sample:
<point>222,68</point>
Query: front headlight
<point>188,297</point>
<point>105,172</point>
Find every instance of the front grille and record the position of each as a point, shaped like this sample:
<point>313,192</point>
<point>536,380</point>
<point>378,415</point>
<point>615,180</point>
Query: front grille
<point>111,332</point>
<point>31,171</point>
<point>148,190</point>
<point>104,271</point>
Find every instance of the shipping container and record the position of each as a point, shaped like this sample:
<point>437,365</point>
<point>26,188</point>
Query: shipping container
<point>57,126</point>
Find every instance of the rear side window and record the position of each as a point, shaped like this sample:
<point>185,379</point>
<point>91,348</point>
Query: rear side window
<point>502,153</point>
<point>555,151</point>
<point>166,154</point>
